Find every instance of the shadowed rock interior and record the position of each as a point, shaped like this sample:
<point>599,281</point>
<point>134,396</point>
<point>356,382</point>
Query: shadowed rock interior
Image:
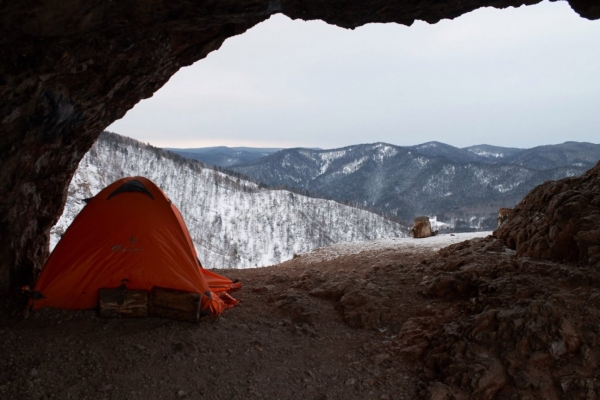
<point>71,68</point>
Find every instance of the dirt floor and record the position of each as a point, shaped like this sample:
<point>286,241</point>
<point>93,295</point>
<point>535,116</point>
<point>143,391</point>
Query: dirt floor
<point>469,321</point>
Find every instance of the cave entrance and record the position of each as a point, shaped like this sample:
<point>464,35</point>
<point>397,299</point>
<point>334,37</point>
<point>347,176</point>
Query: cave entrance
<point>69,72</point>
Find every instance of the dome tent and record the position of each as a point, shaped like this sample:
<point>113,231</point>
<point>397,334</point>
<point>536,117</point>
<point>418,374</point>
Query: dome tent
<point>129,234</point>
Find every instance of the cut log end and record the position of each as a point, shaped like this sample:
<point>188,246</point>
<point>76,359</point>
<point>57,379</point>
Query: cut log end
<point>174,304</point>
<point>121,302</point>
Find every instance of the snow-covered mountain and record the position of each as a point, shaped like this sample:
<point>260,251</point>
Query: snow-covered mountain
<point>493,153</point>
<point>428,179</point>
<point>574,154</point>
<point>224,156</point>
<point>233,222</point>
<point>454,154</point>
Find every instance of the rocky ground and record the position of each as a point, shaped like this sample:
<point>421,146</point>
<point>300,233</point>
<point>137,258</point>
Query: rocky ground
<point>296,334</point>
<point>391,322</point>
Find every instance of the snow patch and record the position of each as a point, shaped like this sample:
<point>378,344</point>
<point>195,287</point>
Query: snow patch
<point>328,157</point>
<point>421,161</point>
<point>353,166</point>
<point>438,225</point>
<point>433,243</point>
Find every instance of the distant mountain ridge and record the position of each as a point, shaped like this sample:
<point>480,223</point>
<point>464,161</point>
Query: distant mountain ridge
<point>455,154</point>
<point>574,154</point>
<point>493,153</point>
<point>568,154</point>
<point>432,178</point>
<point>224,156</point>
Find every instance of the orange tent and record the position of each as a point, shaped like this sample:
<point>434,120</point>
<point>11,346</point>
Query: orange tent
<point>130,233</point>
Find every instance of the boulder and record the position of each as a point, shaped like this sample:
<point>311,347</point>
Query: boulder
<point>503,215</point>
<point>422,228</point>
<point>557,221</point>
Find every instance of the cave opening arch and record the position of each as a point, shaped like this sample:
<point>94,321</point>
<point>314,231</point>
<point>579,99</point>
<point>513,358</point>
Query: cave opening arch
<point>69,70</point>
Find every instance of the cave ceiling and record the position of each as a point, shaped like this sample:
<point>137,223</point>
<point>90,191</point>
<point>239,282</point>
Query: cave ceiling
<point>69,68</point>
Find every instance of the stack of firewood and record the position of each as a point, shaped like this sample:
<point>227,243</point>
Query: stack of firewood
<point>160,302</point>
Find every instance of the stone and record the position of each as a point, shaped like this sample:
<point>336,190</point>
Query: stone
<point>439,391</point>
<point>263,289</point>
<point>421,228</point>
<point>414,352</point>
<point>503,215</point>
<point>492,380</point>
<point>557,221</point>
<point>368,382</point>
<point>570,336</point>
<point>558,349</point>
<point>331,290</point>
<point>379,358</point>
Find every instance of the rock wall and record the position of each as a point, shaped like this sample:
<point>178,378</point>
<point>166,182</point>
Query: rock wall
<point>505,327</point>
<point>66,73</point>
<point>558,221</point>
<point>69,69</point>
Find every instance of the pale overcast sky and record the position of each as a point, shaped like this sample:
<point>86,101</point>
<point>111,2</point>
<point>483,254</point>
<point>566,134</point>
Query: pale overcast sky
<point>516,77</point>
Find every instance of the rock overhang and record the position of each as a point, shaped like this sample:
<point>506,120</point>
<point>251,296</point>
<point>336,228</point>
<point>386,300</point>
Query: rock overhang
<point>70,68</point>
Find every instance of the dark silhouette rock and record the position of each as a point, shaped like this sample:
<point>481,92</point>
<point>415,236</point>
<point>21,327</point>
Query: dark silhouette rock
<point>69,69</point>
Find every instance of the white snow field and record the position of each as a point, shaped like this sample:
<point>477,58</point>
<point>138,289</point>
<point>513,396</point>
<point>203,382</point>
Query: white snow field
<point>433,243</point>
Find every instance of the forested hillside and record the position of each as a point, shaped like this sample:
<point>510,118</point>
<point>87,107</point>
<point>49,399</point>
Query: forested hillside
<point>464,187</point>
<point>232,221</point>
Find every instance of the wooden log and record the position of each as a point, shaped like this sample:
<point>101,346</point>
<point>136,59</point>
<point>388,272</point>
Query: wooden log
<point>121,302</point>
<point>174,304</point>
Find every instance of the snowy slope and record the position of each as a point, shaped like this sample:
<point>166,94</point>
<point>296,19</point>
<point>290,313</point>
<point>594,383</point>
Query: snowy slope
<point>233,223</point>
<point>494,153</point>
<point>433,243</point>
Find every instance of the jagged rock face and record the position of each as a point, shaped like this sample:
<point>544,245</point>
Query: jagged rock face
<point>558,221</point>
<point>521,328</point>
<point>71,68</point>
